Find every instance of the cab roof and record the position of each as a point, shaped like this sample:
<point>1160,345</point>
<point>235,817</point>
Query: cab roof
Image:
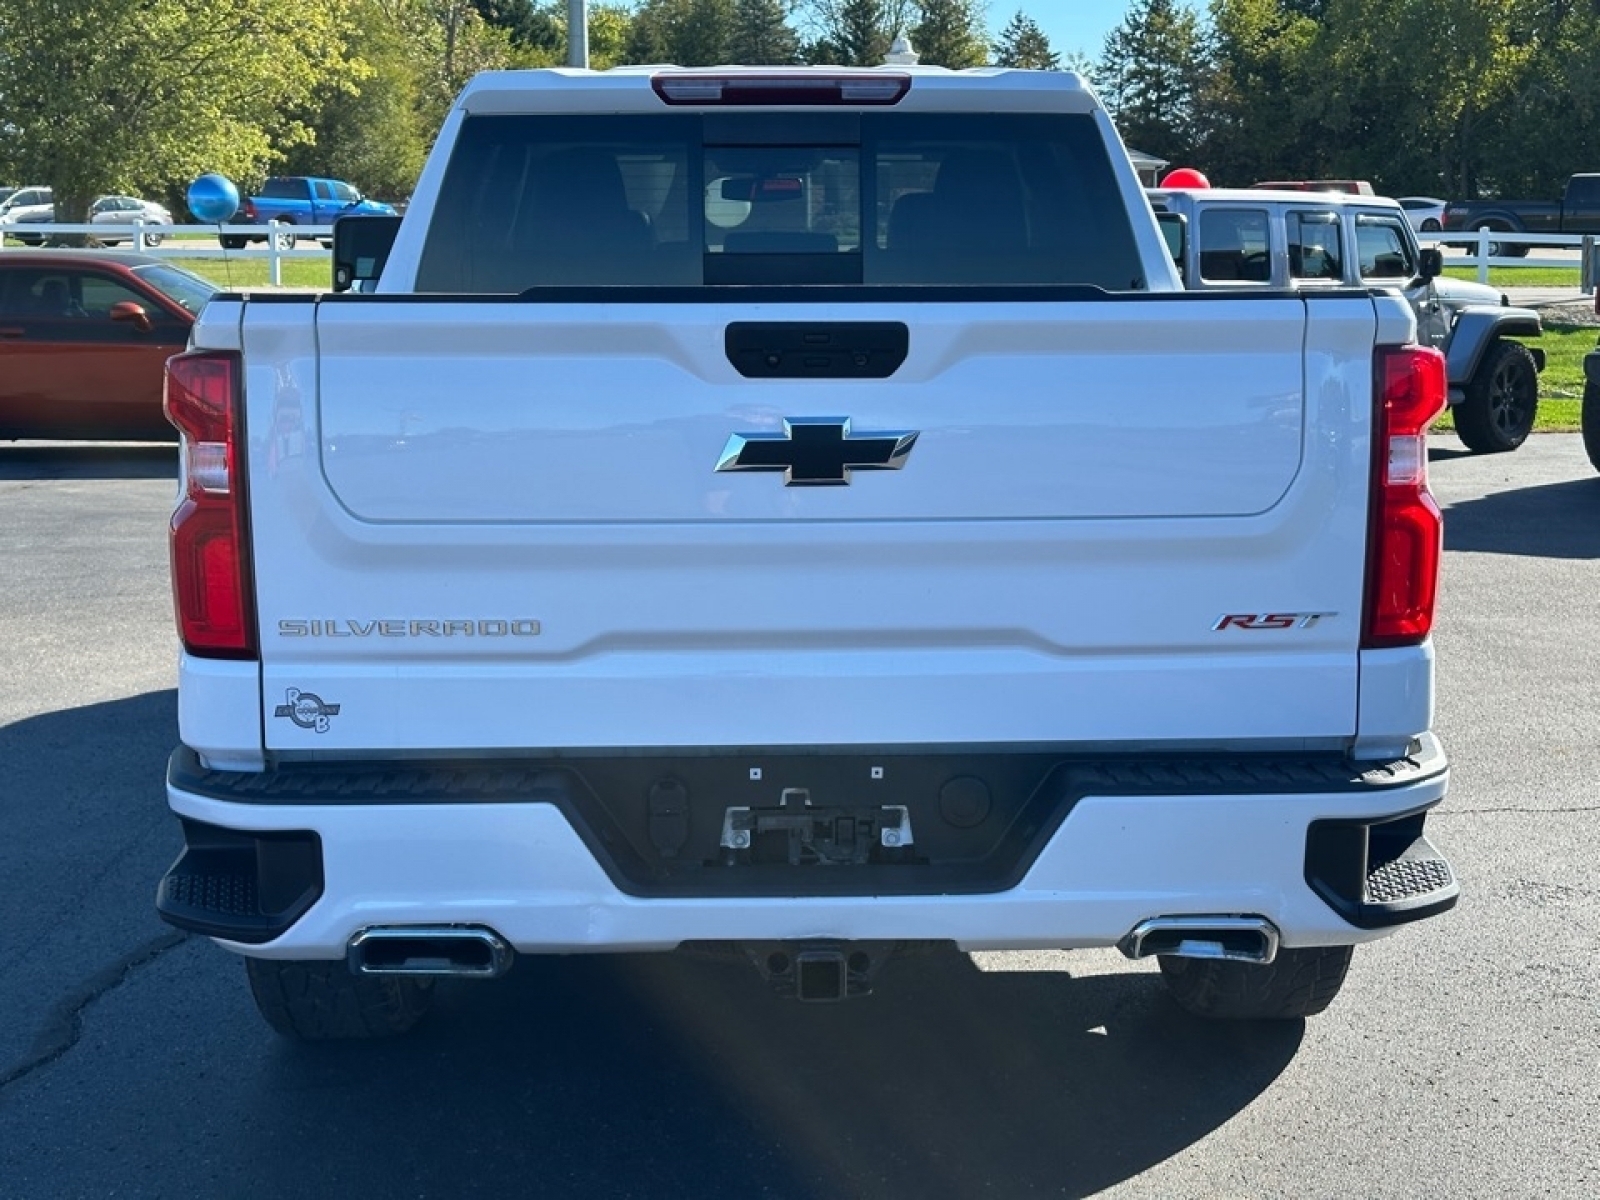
<point>633,89</point>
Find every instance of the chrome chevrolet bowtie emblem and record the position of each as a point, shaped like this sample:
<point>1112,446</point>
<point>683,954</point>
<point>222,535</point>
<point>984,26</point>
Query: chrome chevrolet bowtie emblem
<point>816,451</point>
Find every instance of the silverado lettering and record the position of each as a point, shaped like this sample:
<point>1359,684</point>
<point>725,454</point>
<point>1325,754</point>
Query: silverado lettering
<point>292,628</point>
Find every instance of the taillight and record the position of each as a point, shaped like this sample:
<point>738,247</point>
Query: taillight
<point>1406,534</point>
<point>689,87</point>
<point>210,557</point>
<point>247,210</point>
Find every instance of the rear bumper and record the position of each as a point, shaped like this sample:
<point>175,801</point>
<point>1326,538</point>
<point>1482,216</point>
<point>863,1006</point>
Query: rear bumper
<point>294,863</point>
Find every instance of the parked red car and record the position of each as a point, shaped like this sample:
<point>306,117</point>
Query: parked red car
<point>84,341</point>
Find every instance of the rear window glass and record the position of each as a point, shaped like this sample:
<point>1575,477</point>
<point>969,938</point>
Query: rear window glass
<point>1234,245</point>
<point>1584,190</point>
<point>187,288</point>
<point>1316,250</point>
<point>1382,249</point>
<point>285,189</point>
<point>776,199</point>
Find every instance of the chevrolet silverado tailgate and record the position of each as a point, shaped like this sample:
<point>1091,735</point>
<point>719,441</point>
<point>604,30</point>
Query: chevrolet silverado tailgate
<point>510,529</point>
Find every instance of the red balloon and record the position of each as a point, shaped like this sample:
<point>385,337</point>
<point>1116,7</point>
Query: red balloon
<point>1185,177</point>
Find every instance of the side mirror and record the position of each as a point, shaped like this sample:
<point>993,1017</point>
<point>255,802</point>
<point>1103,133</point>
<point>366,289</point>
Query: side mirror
<point>133,313</point>
<point>1430,263</point>
<point>361,244</point>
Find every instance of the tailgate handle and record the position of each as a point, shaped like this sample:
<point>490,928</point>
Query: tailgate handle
<point>817,349</point>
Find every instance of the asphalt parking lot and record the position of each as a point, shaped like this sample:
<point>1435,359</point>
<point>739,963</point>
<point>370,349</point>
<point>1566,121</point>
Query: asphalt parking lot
<point>1460,1060</point>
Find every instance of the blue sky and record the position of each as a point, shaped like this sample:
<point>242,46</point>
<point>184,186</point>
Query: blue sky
<point>1071,25</point>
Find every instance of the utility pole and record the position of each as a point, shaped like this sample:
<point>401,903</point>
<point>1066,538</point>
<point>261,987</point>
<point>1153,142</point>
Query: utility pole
<point>577,33</point>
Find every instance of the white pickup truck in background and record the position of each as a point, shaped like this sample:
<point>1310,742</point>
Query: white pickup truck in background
<point>798,513</point>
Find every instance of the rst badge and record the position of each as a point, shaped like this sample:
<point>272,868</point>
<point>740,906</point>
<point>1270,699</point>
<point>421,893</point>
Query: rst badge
<point>1271,620</point>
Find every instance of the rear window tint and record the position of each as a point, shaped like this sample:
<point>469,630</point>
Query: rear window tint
<point>1235,245</point>
<point>1382,249</point>
<point>285,189</point>
<point>1316,250</point>
<point>778,198</point>
<point>1584,190</point>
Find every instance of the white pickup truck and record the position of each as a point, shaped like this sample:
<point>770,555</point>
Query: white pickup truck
<point>798,513</point>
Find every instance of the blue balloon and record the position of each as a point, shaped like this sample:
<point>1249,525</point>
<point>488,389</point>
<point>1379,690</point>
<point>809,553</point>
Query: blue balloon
<point>213,199</point>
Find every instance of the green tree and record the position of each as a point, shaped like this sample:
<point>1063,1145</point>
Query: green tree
<point>1250,118</point>
<point>371,130</point>
<point>127,95</point>
<point>762,35</point>
<point>1407,88</point>
<point>1149,76</point>
<point>950,33</point>
<point>1023,44</point>
<point>609,29</point>
<point>1545,124</point>
<point>529,27</point>
<point>854,33</point>
<point>460,43</point>
<point>1080,62</point>
<point>690,33</point>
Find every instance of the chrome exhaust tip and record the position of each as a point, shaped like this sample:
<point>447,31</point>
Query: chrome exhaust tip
<point>460,951</point>
<point>1232,939</point>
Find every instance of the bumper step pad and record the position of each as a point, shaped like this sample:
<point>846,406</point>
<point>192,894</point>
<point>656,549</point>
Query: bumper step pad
<point>245,887</point>
<point>1408,879</point>
<point>1379,874</point>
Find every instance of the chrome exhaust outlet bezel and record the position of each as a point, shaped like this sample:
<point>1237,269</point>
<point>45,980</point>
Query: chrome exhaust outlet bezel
<point>1217,938</point>
<point>499,952</point>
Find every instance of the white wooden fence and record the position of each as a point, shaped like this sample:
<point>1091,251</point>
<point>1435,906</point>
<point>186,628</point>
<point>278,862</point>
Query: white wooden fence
<point>1588,263</point>
<point>273,251</point>
<point>134,236</point>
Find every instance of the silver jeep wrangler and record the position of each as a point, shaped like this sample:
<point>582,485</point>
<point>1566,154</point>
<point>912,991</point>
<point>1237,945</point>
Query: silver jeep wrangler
<point>1223,239</point>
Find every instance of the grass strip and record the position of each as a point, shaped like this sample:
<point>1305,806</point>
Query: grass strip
<point>235,272</point>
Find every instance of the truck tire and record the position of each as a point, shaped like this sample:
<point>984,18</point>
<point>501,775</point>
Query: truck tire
<point>232,241</point>
<point>324,1001</point>
<point>1591,422</point>
<point>1502,399</point>
<point>1297,983</point>
<point>1502,249</point>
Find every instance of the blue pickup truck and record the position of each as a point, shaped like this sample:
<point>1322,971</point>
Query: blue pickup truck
<point>299,200</point>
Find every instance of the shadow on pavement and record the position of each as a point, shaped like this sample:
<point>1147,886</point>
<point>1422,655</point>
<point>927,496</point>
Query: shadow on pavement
<point>659,1076</point>
<point>89,460</point>
<point>1555,520</point>
<point>644,1076</point>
